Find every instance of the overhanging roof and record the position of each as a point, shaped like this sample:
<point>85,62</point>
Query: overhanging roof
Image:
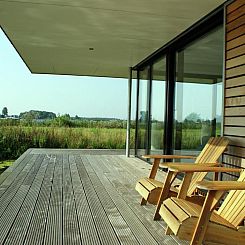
<point>94,37</point>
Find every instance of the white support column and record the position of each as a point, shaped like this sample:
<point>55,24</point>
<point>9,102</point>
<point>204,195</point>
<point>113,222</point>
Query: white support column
<point>129,112</point>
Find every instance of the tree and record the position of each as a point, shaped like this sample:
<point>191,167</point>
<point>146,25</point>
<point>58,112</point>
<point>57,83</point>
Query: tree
<point>193,117</point>
<point>5,111</point>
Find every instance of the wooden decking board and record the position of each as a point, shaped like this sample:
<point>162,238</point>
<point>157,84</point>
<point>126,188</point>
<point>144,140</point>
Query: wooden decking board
<point>33,171</point>
<point>12,189</point>
<point>121,228</point>
<point>144,213</point>
<point>20,226</point>
<point>76,197</point>
<point>12,206</point>
<point>78,151</point>
<point>23,167</point>
<point>140,231</point>
<point>86,224</point>
<point>37,224</point>
<point>16,167</point>
<point>54,227</point>
<point>147,213</point>
<point>105,231</point>
<point>71,233</point>
<point>11,211</point>
<point>13,175</point>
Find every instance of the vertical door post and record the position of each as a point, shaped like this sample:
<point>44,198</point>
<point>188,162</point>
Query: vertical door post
<point>129,112</point>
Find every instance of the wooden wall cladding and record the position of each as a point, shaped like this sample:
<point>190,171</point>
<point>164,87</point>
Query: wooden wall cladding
<point>234,111</point>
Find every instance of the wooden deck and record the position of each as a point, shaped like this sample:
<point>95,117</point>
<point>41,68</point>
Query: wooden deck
<point>76,197</point>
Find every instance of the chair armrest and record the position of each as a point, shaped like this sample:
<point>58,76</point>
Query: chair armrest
<point>184,164</point>
<point>188,168</point>
<point>221,185</point>
<point>168,157</point>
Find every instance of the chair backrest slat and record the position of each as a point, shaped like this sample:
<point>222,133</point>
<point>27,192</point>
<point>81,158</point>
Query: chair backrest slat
<point>209,154</point>
<point>233,207</point>
<point>213,150</point>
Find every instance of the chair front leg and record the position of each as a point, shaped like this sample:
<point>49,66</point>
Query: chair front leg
<point>164,193</point>
<point>209,205</point>
<point>154,168</point>
<point>185,185</point>
<point>152,175</point>
<point>143,201</point>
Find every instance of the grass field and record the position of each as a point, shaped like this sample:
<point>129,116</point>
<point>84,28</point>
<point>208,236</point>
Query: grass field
<point>5,164</point>
<point>15,140</point>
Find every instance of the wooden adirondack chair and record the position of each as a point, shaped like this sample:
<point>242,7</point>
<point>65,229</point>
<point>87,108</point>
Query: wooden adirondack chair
<point>150,189</point>
<point>203,224</point>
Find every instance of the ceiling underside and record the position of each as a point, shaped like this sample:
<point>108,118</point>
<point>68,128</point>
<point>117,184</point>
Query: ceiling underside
<point>95,37</point>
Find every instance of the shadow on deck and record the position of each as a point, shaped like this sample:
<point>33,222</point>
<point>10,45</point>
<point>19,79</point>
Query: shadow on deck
<point>76,197</point>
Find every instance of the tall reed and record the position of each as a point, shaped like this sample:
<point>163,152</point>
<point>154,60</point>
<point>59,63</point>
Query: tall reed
<point>14,140</point>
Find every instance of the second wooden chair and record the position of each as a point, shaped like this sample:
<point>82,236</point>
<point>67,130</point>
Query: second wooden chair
<point>150,189</point>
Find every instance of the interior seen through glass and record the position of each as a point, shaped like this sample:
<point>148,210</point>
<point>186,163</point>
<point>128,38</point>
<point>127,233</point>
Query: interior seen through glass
<point>198,99</point>
<point>198,93</point>
<point>157,106</point>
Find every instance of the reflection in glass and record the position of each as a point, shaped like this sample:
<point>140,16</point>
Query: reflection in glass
<point>143,112</point>
<point>158,106</point>
<point>133,114</point>
<point>198,97</point>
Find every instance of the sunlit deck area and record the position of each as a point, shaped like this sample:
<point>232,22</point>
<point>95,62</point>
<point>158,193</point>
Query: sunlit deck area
<point>76,197</point>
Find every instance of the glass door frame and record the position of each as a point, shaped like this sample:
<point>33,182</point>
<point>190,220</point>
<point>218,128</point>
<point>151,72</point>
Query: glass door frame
<point>200,28</point>
<point>148,109</point>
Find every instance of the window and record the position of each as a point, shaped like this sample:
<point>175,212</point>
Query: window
<point>198,92</point>
<point>143,112</point>
<point>158,97</point>
<point>180,91</point>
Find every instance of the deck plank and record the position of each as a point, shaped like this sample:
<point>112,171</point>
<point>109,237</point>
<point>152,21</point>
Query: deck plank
<point>71,233</point>
<point>139,230</point>
<point>13,176</point>
<point>10,211</point>
<point>20,226</point>
<point>88,232</point>
<point>15,169</point>
<point>54,227</point>
<point>52,196</point>
<point>119,178</point>
<point>12,184</point>
<point>105,230</point>
<point>117,221</point>
<point>37,224</point>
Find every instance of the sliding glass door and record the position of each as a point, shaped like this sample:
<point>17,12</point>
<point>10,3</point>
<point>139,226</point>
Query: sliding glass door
<point>198,92</point>
<point>143,112</point>
<point>158,97</point>
<point>151,108</point>
<point>180,91</point>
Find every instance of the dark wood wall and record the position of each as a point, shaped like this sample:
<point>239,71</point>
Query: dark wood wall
<point>234,110</point>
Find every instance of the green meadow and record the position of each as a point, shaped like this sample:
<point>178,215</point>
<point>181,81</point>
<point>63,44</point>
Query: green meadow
<point>18,136</point>
<point>14,140</point>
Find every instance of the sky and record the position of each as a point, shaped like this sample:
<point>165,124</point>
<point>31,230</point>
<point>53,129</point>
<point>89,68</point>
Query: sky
<point>88,96</point>
<point>76,95</point>
<point>195,98</point>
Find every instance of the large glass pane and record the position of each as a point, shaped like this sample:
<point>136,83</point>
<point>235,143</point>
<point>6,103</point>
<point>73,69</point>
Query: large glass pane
<point>158,106</point>
<point>143,112</point>
<point>133,113</point>
<point>198,97</point>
